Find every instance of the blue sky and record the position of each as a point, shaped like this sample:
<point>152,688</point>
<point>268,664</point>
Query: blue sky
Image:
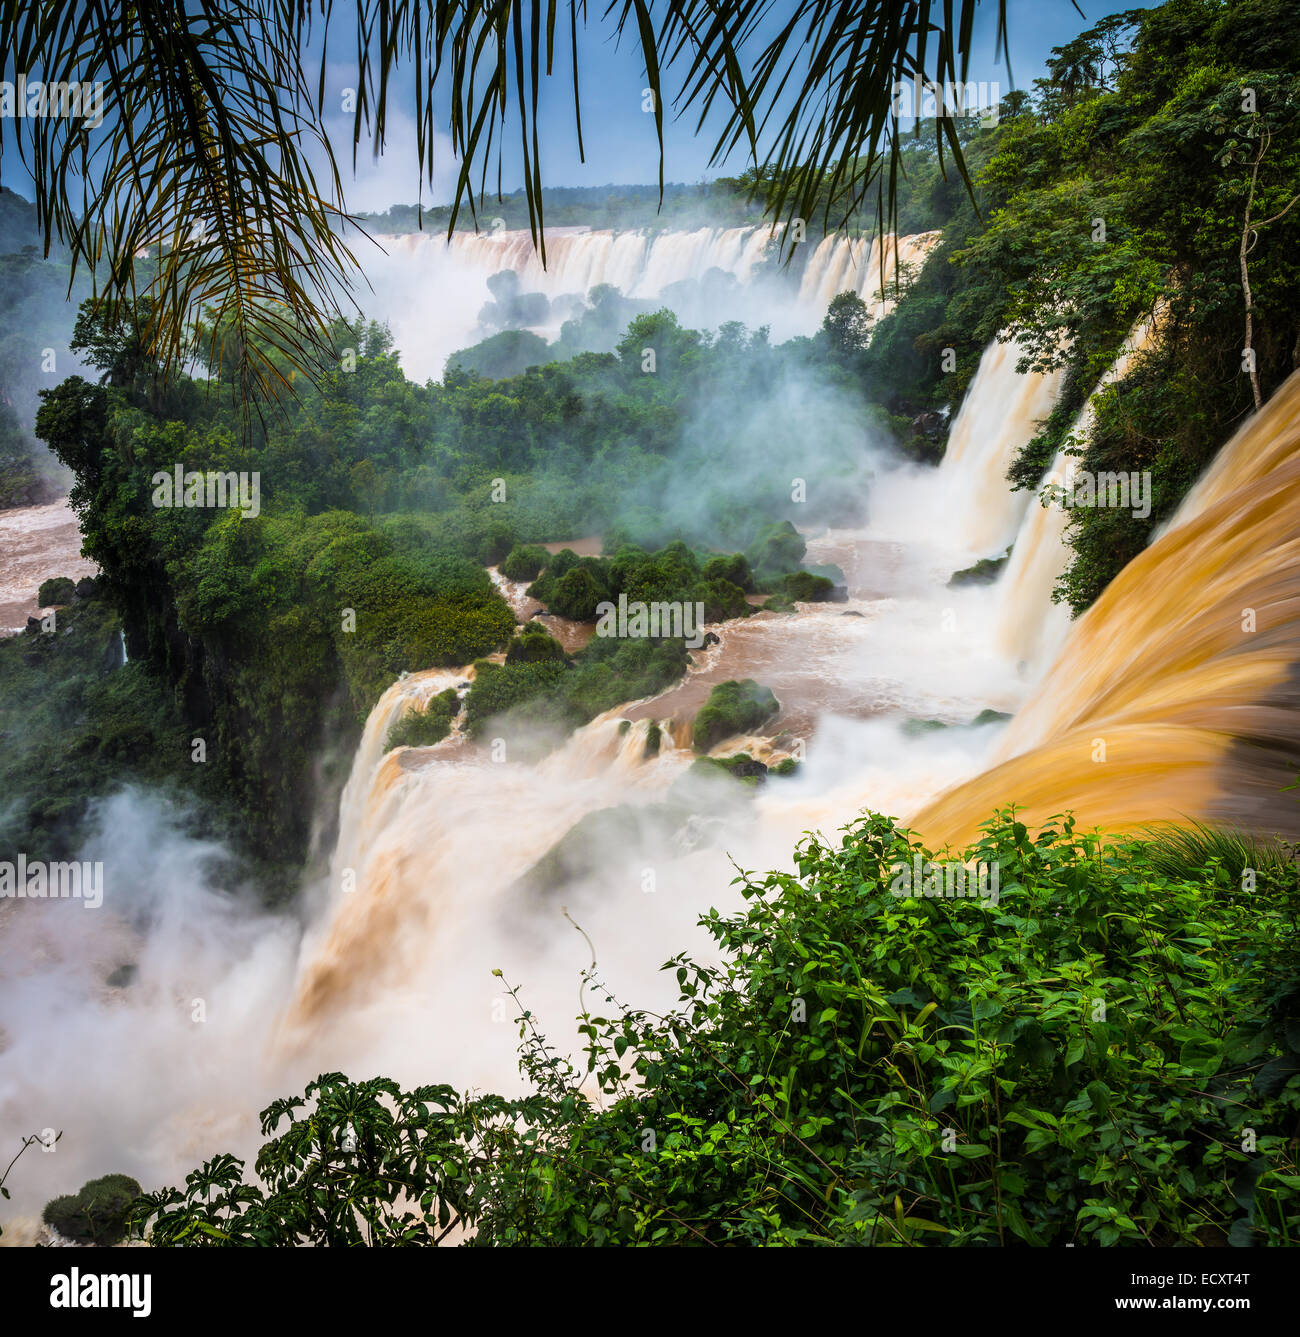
<point>619,137</point>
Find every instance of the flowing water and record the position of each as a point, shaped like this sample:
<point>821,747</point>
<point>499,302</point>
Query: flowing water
<point>1184,669</point>
<point>36,543</point>
<point>1176,694</point>
<point>431,290</point>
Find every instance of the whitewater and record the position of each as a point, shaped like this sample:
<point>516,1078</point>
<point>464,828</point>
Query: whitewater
<point>386,966</point>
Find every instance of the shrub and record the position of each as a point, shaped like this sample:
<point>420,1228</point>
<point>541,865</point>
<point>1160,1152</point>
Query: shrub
<point>95,1215</point>
<point>734,568</point>
<point>733,708</point>
<point>805,587</point>
<point>524,562</point>
<point>576,594</point>
<point>721,599</point>
<point>779,547</point>
<point>57,590</point>
<point>534,644</point>
<point>424,728</point>
<point>1108,1055</point>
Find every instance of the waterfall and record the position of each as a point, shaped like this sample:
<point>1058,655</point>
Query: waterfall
<point>1175,695</point>
<point>430,289</point>
<point>1030,626</point>
<point>999,414</point>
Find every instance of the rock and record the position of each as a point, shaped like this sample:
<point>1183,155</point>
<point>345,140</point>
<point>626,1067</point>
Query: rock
<point>982,573</point>
<point>852,612</point>
<point>712,638</point>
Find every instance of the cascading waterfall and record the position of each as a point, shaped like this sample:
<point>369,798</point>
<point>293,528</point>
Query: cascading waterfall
<point>430,289</point>
<point>1030,626</point>
<point>1176,694</point>
<point>1000,413</point>
<point>422,832</point>
<point>1185,670</point>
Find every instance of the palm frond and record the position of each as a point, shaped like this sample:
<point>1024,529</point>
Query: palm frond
<point>204,159</point>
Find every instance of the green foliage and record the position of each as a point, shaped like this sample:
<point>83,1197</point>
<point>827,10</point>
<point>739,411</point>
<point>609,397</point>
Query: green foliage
<point>424,728</point>
<point>1122,190</point>
<point>778,548</point>
<point>1109,1054</point>
<point>565,693</point>
<point>847,327</point>
<point>97,1214</point>
<point>576,595</point>
<point>356,1164</point>
<point>534,644</point>
<point>509,353</point>
<point>524,562</point>
<point>804,587</point>
<point>57,590</point>
<point>983,572</point>
<point>79,725</point>
<point>734,707</point>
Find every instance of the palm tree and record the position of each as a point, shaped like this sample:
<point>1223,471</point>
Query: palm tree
<point>211,122</point>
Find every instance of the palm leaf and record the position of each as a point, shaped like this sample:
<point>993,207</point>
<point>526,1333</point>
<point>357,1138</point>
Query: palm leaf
<point>204,159</point>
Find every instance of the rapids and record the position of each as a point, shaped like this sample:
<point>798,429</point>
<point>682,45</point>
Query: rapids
<point>36,543</point>
<point>1185,670</point>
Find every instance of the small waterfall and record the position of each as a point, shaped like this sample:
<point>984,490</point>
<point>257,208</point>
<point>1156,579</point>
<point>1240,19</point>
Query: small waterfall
<point>434,837</point>
<point>867,267</point>
<point>1000,413</point>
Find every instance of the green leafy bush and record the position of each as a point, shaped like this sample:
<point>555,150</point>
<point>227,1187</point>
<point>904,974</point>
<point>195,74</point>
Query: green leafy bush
<point>532,644</point>
<point>734,707</point>
<point>56,590</point>
<point>95,1215</point>
<point>805,587</point>
<point>524,562</point>
<point>424,728</point>
<point>1108,1054</point>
